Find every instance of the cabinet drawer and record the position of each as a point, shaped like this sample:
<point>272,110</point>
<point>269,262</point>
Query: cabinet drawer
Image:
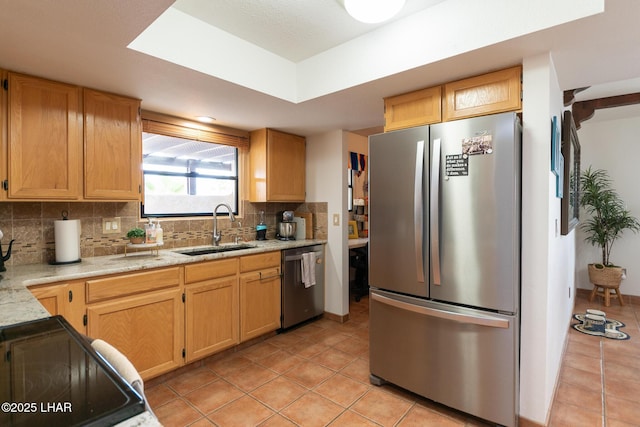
<point>260,261</point>
<point>129,284</point>
<point>210,270</point>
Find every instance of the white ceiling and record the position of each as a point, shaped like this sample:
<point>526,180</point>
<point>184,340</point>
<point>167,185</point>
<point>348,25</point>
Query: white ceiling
<point>85,42</point>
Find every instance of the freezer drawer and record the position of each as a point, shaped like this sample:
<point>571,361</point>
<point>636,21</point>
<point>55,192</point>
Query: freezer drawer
<point>463,358</point>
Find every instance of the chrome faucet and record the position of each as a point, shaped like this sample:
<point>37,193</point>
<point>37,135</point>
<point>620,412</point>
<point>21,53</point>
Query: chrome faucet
<point>216,234</point>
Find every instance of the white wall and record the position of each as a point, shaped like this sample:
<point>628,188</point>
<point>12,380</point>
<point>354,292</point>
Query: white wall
<point>326,181</point>
<point>613,146</point>
<point>547,257</point>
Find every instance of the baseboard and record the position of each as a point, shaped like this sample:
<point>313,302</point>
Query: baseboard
<point>336,317</point>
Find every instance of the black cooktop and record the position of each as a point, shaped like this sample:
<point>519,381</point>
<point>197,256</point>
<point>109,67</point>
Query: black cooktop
<point>50,376</point>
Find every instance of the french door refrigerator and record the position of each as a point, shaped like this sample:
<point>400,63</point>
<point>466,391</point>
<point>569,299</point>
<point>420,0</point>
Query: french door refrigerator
<point>444,263</point>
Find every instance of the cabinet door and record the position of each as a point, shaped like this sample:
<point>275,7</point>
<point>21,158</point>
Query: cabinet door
<point>277,163</point>
<point>65,299</point>
<point>418,108</point>
<point>45,139</point>
<point>285,167</point>
<point>3,133</point>
<point>212,317</point>
<point>490,93</point>
<point>259,302</point>
<point>112,139</point>
<point>148,329</point>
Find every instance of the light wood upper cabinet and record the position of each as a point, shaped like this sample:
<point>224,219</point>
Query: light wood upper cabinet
<point>44,139</point>
<point>490,93</point>
<point>277,167</point>
<point>418,108</point>
<point>112,146</point>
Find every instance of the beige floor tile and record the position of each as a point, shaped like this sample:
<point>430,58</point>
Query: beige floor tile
<point>565,415</point>
<point>318,375</point>
<point>225,365</point>
<point>312,410</point>
<point>342,390</point>
<point>576,395</point>
<point>280,361</point>
<point>352,419</point>
<point>382,407</point>
<point>307,348</point>
<point>308,374</point>
<point>419,416</point>
<point>202,422</point>
<point>212,396</point>
<point>580,377</point>
<point>250,377</point>
<point>623,409</point>
<point>279,392</point>
<point>245,411</point>
<point>358,370</point>
<point>159,395</point>
<point>176,413</point>
<point>191,380</point>
<point>333,358</point>
<point>259,351</point>
<point>278,420</point>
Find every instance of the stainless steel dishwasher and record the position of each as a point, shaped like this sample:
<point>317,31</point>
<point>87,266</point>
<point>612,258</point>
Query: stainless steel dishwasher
<point>302,301</point>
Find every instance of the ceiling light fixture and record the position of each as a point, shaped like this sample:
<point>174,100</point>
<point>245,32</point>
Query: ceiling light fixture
<point>373,11</point>
<point>205,119</point>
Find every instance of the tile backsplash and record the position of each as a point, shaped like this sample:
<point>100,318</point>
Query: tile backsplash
<point>31,225</point>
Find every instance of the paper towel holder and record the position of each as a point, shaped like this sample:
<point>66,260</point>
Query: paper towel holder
<point>65,217</point>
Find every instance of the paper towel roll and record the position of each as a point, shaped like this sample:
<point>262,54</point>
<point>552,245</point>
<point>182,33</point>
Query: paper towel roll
<point>67,238</point>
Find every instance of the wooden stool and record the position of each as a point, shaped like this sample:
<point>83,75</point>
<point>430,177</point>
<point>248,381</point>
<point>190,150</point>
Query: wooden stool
<point>605,292</point>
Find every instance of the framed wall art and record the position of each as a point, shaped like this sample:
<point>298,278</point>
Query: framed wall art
<point>570,203</point>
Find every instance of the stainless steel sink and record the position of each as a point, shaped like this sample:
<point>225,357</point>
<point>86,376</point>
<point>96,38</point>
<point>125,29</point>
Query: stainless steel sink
<point>214,249</point>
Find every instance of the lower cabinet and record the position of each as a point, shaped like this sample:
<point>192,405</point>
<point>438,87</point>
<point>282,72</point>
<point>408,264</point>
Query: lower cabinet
<point>142,315</point>
<point>65,299</point>
<point>211,307</point>
<point>260,286</point>
<point>162,318</point>
<point>147,329</point>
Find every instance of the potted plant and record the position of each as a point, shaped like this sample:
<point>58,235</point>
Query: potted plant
<point>609,217</point>
<point>136,235</point>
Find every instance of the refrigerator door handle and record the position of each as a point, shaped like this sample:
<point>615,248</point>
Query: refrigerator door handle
<point>418,211</point>
<point>481,320</point>
<point>434,216</point>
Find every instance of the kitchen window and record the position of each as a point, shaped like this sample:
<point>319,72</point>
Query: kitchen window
<point>187,171</point>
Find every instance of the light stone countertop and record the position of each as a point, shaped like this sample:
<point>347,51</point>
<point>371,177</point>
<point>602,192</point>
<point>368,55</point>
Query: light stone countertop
<point>18,305</point>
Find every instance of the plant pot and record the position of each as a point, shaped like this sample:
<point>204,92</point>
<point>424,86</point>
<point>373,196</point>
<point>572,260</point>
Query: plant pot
<point>605,276</point>
<point>136,240</point>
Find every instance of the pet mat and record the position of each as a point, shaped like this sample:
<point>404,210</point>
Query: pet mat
<point>611,324</point>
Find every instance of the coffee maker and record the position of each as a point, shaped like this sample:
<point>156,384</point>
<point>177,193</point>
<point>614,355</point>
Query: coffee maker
<point>286,226</point>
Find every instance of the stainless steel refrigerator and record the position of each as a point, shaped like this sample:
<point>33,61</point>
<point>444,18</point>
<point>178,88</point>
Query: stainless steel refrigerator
<point>444,263</point>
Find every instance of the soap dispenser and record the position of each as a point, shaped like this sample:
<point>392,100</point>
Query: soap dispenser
<point>150,231</point>
<point>159,234</point>
<point>261,228</point>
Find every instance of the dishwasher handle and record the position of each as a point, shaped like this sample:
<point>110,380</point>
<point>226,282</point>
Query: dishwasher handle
<point>299,257</point>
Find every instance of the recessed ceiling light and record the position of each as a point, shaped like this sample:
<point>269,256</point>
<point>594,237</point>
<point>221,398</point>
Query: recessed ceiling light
<point>206,119</point>
<point>373,11</point>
